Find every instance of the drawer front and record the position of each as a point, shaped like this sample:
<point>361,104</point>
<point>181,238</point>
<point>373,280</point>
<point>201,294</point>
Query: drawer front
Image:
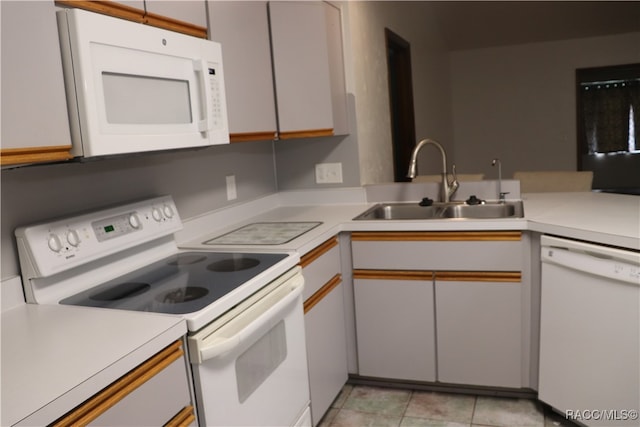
<point>155,392</point>
<point>319,266</point>
<point>465,251</point>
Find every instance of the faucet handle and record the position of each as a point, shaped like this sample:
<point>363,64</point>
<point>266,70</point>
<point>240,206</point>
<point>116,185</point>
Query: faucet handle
<point>453,185</point>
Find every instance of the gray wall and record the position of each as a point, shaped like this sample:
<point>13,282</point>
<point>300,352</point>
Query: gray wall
<point>196,179</point>
<point>296,159</point>
<point>518,102</point>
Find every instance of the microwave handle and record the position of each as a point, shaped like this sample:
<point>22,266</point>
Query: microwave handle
<point>202,69</point>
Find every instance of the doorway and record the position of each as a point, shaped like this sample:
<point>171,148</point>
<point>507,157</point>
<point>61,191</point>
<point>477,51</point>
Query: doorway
<point>403,132</point>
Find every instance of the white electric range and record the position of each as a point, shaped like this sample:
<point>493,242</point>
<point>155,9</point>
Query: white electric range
<point>243,310</point>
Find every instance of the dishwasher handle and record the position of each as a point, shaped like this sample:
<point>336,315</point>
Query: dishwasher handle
<point>251,324</point>
<point>592,259</point>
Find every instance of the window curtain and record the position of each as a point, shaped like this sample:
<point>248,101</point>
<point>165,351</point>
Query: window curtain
<point>634,95</point>
<point>606,107</point>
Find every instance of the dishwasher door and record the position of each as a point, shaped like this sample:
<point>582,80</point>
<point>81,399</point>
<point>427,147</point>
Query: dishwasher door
<point>590,332</point>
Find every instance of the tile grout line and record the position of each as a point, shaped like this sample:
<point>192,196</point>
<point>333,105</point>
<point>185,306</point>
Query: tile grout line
<point>404,413</point>
<point>473,412</point>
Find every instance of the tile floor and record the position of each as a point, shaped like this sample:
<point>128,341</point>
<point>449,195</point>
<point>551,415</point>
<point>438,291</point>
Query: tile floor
<point>360,406</point>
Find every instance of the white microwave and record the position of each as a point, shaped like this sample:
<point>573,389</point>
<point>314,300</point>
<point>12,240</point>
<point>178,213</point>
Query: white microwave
<point>135,88</point>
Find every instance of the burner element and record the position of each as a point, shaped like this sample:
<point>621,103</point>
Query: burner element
<point>187,259</point>
<point>122,291</point>
<point>180,295</point>
<point>233,264</point>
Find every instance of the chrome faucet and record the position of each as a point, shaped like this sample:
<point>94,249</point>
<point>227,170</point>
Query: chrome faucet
<point>501,194</point>
<point>447,188</point>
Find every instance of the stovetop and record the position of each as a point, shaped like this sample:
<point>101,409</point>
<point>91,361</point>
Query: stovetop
<point>182,283</point>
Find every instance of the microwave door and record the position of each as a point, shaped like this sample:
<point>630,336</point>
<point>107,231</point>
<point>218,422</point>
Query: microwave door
<point>140,89</point>
<point>146,102</point>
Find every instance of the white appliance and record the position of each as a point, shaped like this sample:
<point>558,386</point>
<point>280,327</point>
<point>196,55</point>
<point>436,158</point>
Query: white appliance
<point>590,332</point>
<point>135,88</point>
<point>243,310</point>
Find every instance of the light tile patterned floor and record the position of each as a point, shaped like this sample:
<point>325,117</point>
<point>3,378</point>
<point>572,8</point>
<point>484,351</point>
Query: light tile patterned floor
<point>364,406</point>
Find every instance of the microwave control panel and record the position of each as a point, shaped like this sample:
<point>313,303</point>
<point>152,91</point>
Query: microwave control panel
<point>216,97</point>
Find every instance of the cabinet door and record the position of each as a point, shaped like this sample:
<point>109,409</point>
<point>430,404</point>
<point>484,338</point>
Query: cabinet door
<point>191,11</point>
<point>333,17</point>
<point>326,348</point>
<point>242,28</point>
<point>35,126</point>
<point>395,326</point>
<point>479,329</point>
<point>185,16</point>
<point>301,68</point>
<point>324,318</point>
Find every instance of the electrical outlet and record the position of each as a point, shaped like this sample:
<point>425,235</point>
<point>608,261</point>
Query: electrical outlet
<point>328,173</point>
<point>232,192</point>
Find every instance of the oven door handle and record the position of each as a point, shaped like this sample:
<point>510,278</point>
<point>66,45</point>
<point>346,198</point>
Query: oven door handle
<point>252,323</point>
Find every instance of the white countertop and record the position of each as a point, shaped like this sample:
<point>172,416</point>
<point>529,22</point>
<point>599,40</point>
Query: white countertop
<point>610,219</point>
<point>54,357</point>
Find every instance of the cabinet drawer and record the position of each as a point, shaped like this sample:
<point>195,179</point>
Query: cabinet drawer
<point>477,251</point>
<point>154,393</point>
<point>319,266</point>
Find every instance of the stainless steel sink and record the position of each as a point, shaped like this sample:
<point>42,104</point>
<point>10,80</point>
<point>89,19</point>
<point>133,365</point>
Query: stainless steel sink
<point>413,211</point>
<point>487,210</point>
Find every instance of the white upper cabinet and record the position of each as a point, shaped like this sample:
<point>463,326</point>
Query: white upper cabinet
<point>301,68</point>
<point>138,4</point>
<point>333,16</point>
<point>183,16</point>
<point>284,68</point>
<point>35,126</point>
<point>243,30</point>
<point>193,12</point>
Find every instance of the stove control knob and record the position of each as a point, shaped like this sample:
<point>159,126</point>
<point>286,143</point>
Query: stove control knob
<point>156,214</point>
<point>168,211</point>
<point>134,221</point>
<point>54,243</point>
<point>73,238</point>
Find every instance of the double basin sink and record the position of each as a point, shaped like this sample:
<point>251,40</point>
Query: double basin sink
<point>451,210</point>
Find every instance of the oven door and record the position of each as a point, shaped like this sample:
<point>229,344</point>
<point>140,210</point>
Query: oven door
<point>134,88</point>
<point>250,365</point>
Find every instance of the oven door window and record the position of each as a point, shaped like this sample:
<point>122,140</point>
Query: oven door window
<point>260,360</point>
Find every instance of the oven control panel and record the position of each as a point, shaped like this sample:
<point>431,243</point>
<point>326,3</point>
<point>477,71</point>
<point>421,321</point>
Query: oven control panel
<point>52,247</point>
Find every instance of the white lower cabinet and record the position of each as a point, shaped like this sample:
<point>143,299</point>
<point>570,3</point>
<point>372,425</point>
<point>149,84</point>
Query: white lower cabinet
<point>395,326</point>
<point>441,307</point>
<point>157,392</point>
<point>324,318</point>
<point>479,332</point>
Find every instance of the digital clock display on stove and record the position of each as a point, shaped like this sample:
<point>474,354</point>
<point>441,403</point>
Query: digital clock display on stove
<point>120,225</point>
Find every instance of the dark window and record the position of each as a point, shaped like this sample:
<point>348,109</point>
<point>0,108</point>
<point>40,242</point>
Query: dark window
<point>608,113</point>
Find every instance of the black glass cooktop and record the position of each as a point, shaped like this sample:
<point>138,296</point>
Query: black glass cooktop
<point>183,283</point>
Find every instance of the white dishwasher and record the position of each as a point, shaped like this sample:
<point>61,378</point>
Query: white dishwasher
<point>590,332</point>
